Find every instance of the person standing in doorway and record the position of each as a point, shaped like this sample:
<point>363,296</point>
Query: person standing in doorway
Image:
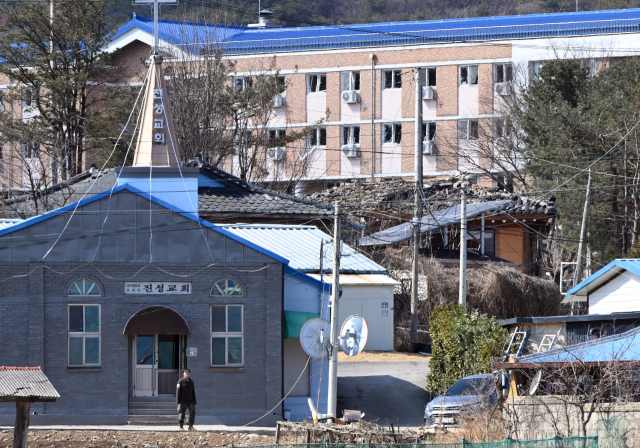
<point>186,398</point>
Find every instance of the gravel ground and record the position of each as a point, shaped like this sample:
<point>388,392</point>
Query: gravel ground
<point>137,439</point>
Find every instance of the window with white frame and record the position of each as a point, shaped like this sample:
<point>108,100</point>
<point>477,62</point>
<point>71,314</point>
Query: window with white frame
<point>534,69</point>
<point>502,73</point>
<point>84,287</point>
<point>226,287</point>
<point>30,150</point>
<point>351,135</point>
<point>84,335</point>
<point>430,78</point>
<point>429,131</point>
<point>468,75</point>
<point>240,83</point>
<point>501,128</point>
<point>468,129</point>
<point>28,99</point>
<point>349,81</point>
<point>393,79</point>
<point>392,133</point>
<point>242,141</point>
<point>227,335</point>
<point>316,83</point>
<point>276,138</point>
<point>317,137</point>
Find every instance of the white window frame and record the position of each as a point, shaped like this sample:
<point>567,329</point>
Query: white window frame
<point>395,127</point>
<point>500,129</point>
<point>240,83</point>
<point>84,334</point>
<point>319,81</point>
<point>349,81</point>
<point>226,334</point>
<point>469,68</point>
<point>30,150</point>
<point>350,139</point>
<point>425,131</point>
<point>396,78</point>
<point>534,69</point>
<point>279,134</point>
<point>317,133</point>
<point>507,73</point>
<point>466,135</point>
<point>27,99</point>
<point>241,140</point>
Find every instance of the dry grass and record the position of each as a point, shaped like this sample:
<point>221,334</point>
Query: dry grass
<point>495,290</point>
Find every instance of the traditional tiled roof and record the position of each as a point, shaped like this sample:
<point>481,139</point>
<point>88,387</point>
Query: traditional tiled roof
<point>241,197</point>
<point>235,196</point>
<point>239,40</point>
<point>29,383</point>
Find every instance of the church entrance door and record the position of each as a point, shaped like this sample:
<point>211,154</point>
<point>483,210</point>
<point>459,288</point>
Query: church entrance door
<point>158,363</point>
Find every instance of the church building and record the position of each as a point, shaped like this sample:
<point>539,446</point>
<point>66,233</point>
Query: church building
<point>114,295</point>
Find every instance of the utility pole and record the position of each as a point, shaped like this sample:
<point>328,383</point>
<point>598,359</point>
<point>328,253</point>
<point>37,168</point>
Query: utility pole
<point>462,298</point>
<point>577,278</point>
<point>417,217</point>
<point>335,296</point>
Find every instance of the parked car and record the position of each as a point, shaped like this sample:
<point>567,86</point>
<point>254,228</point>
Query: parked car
<point>466,394</point>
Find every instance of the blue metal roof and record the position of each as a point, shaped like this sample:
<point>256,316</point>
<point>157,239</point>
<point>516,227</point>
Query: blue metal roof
<point>238,40</point>
<point>193,36</point>
<point>301,246</point>
<point>612,269</point>
<point>622,347</point>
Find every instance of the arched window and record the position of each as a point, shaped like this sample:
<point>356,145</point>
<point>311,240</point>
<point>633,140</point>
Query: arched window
<point>226,287</point>
<point>84,287</point>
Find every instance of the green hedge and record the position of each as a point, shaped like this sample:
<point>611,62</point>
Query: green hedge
<point>463,343</point>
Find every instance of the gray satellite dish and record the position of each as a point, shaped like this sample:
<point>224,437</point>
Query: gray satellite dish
<point>353,335</point>
<point>535,382</point>
<point>314,338</point>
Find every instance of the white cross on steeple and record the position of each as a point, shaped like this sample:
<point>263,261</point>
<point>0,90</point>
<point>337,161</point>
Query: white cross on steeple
<point>155,18</point>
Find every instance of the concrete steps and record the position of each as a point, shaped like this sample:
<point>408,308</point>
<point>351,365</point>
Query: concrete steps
<point>153,410</point>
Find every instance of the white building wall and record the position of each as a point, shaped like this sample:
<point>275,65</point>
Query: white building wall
<point>391,104</point>
<point>620,295</point>
<point>316,106</point>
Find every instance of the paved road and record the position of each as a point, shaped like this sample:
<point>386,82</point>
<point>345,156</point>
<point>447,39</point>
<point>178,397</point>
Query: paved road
<point>384,390</point>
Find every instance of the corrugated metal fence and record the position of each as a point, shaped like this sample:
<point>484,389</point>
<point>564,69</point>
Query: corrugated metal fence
<point>553,442</point>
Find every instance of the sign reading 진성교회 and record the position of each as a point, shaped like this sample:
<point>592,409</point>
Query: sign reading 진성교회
<point>157,288</point>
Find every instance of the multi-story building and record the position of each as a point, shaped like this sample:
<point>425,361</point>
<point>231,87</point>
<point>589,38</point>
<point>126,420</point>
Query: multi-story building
<point>355,83</point>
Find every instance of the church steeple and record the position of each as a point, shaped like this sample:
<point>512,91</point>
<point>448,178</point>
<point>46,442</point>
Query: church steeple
<point>156,145</point>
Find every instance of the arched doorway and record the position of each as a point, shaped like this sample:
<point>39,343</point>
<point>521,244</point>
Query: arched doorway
<point>159,336</point>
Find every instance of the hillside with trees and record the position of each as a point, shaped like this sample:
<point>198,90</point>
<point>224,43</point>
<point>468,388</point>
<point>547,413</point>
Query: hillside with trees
<point>336,12</point>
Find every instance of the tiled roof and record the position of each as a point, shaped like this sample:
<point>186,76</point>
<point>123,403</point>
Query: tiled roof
<point>25,382</point>
<point>239,40</point>
<point>237,196</point>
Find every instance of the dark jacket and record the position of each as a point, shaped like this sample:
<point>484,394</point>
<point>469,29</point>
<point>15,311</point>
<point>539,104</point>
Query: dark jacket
<point>186,391</point>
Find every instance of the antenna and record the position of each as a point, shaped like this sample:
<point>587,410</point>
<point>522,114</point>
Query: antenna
<point>353,335</point>
<point>314,338</point>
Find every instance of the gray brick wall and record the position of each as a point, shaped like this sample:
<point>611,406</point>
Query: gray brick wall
<point>34,316</point>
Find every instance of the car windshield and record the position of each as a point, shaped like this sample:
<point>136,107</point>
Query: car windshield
<point>471,386</point>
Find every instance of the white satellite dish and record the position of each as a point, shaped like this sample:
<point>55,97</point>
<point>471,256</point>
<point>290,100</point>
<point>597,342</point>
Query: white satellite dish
<point>353,335</point>
<point>314,338</point>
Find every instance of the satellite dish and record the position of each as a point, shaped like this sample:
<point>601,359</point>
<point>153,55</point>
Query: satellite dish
<point>314,337</point>
<point>535,382</point>
<point>353,335</point>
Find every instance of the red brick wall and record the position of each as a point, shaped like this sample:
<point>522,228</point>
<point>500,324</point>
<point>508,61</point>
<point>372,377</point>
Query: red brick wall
<point>447,80</point>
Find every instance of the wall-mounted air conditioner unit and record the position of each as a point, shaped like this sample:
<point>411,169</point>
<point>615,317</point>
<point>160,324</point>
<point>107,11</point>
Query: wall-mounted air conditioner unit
<point>428,93</point>
<point>427,146</point>
<point>278,101</point>
<point>350,97</point>
<point>350,151</point>
<point>503,88</point>
<point>276,154</point>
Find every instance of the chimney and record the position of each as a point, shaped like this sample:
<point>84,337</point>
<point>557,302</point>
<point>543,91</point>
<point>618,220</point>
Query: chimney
<point>264,20</point>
